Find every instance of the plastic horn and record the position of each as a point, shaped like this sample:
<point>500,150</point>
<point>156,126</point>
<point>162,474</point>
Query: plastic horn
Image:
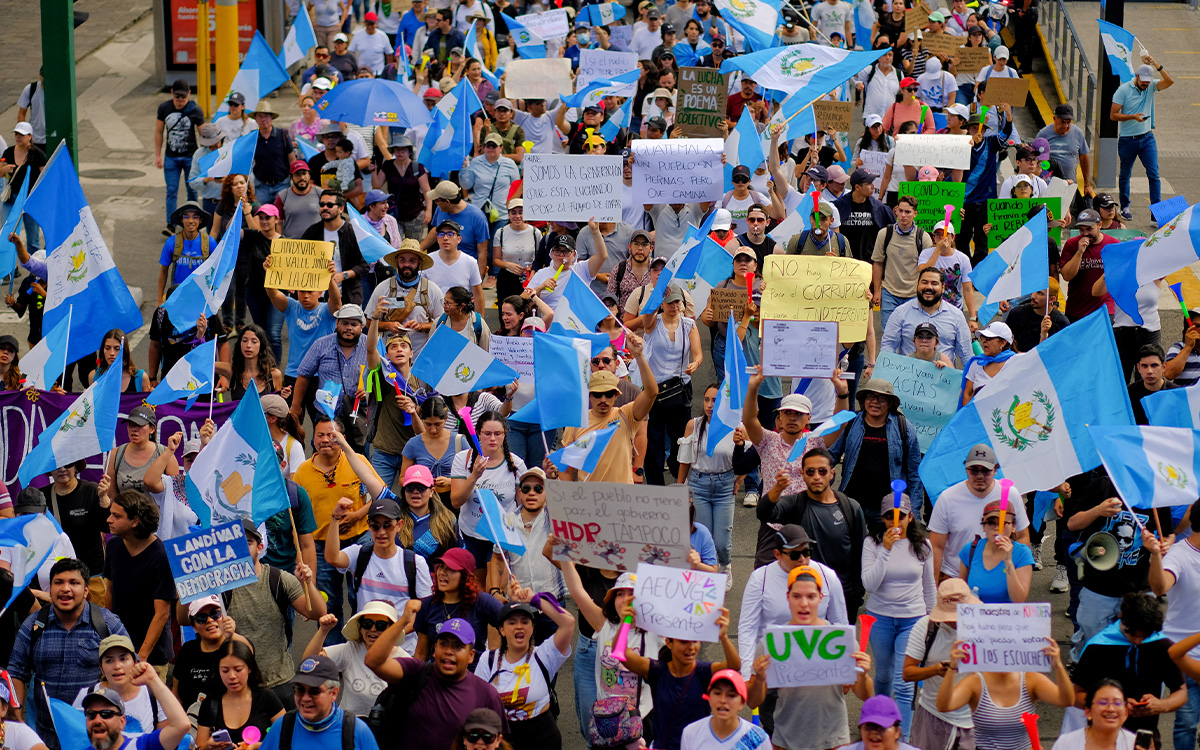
<point>1005,486</point>
<point>465,415</point>
<point>1030,721</point>
<point>618,649</point>
<point>898,488</point>
<point>864,633</point>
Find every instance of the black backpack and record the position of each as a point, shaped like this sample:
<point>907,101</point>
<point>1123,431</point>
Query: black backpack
<point>389,715</point>
<point>288,728</point>
<point>555,707</point>
<point>95,614</point>
<point>410,568</point>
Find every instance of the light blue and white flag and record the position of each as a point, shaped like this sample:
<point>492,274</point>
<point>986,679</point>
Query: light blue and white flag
<point>1151,467</point>
<point>864,21</point>
<point>48,360</point>
<point>579,309</point>
<point>204,290</point>
<point>732,396</point>
<point>1122,48</point>
<point>562,367</point>
<point>452,365</point>
<point>809,67</point>
<point>191,376</point>
<point>801,124</point>
<point>1034,413</point>
<point>80,270</point>
<point>584,453</point>
<point>8,251</point>
<point>1018,267</point>
<point>370,241</point>
<point>261,73</point>
<point>496,525</point>
<point>828,426</point>
<point>31,539</point>
<point>620,119</point>
<point>743,147</point>
<point>70,723</point>
<point>307,150</point>
<point>686,56</point>
<point>624,84</point>
<point>237,475</point>
<point>471,45</point>
<point>449,139</point>
<point>1173,407</point>
<point>602,14</point>
<point>1130,265</point>
<point>530,46</point>
<point>299,40</point>
<point>756,20</point>
<point>682,264</point>
<point>329,398</point>
<point>236,157</point>
<point>88,428</point>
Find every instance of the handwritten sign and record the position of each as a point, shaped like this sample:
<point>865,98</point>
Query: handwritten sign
<point>1012,91</point>
<point>702,107</point>
<point>616,526</point>
<point>1007,215</point>
<point>818,288</point>
<point>552,24</point>
<point>934,150</point>
<point>1004,637</point>
<point>810,655</point>
<point>834,117</point>
<point>679,603</point>
<point>538,79</point>
<point>620,37</point>
<point>877,163</point>
<point>565,187</point>
<point>799,348</point>
<point>302,265</point>
<point>1164,211</point>
<point>917,18</point>
<point>516,352</point>
<point>598,63</point>
<point>973,59</point>
<point>932,199</point>
<point>928,396</point>
<point>941,43</point>
<point>721,301</point>
<point>682,170</point>
<point>210,561</point>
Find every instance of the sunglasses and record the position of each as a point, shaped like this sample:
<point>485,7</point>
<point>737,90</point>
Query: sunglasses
<point>739,179</point>
<point>302,690</point>
<point>609,394</point>
<point>479,736</point>
<point>202,617</point>
<point>380,625</point>
<point>104,713</point>
<point>179,96</point>
<point>323,204</point>
<point>797,554</point>
<point>447,234</point>
<point>597,361</point>
<point>531,488</point>
<point>414,487</point>
<point>377,526</point>
<point>322,55</point>
<point>912,89</point>
<point>816,472</point>
<point>755,220</point>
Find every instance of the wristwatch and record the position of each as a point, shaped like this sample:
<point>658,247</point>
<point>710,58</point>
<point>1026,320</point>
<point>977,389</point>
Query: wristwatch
<point>1159,68</point>
<point>639,471</point>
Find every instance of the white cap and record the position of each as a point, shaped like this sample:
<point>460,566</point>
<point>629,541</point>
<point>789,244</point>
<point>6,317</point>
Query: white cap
<point>997,330</point>
<point>958,109</point>
<point>873,120</point>
<point>941,227</point>
<point>723,219</point>
<point>797,402</point>
<point>1001,53</point>
<point>1145,73</point>
<point>23,128</point>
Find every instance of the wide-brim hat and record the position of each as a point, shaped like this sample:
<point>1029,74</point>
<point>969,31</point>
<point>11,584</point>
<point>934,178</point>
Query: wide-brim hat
<point>206,218</point>
<point>353,632</point>
<point>881,387</point>
<point>264,108</point>
<point>412,247</point>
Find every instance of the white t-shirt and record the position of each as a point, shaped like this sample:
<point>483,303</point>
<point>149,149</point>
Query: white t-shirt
<point>830,18</point>
<point>1147,302</point>
<point>385,580</point>
<point>498,479</point>
<point>1183,562</point>
<point>644,41</point>
<point>939,651</point>
<point>370,50</point>
<point>18,736</point>
<point>699,736</point>
<point>1077,740</point>
<point>138,709</point>
<point>517,246</point>
<point>462,272</point>
<point>958,513</point>
<point>360,686</point>
<point>522,687</point>
<point>541,131</point>
<point>1006,73</point>
<point>551,298</point>
<point>331,235</point>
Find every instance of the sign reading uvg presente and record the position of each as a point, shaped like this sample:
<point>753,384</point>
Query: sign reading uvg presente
<point>807,655</point>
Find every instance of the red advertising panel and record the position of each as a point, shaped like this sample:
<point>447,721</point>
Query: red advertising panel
<point>181,30</point>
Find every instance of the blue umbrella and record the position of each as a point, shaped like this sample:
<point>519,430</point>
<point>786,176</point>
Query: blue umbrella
<point>374,101</point>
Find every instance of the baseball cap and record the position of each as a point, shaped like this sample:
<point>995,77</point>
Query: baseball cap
<point>797,402</point>
<point>723,219</point>
<point>889,503</point>
<point>937,16</point>
<point>958,109</point>
<point>881,709</point>
<point>733,677</point>
<point>791,536</point>
<point>1001,53</point>
<point>1087,217</point>
<point>1104,200</point>
<point>446,190</point>
<point>997,330</point>
<point>180,86</point>
<point>533,471</point>
<point>316,671</point>
<point>837,174</point>
<point>654,13</point>
<point>370,17</point>
<point>385,507</point>
<point>142,415</point>
<point>457,559</point>
<point>350,311</point>
<point>484,719</point>
<point>808,573</point>
<point>658,123</point>
<point>375,196</point>
<point>269,209</point>
<point>941,226</point>
<point>1145,73</point>
<point>433,93</point>
<point>494,139</point>
<point>567,241</point>
<point>674,294</point>
<point>274,405</point>
<point>981,455</point>
<point>517,608</point>
<point>1064,112</point>
<point>418,474</point>
<point>741,170</point>
<point>951,593</point>
<point>872,120</point>
<point>995,507</point>
<point>324,84</point>
<point>450,224</point>
<point>504,104</point>
<point>117,641</point>
<point>10,341</point>
<point>210,134</point>
<point>195,607</point>
<point>340,37</point>
<point>29,500</point>
<point>602,381</point>
<point>818,172</point>
<point>925,328</point>
<point>825,209</point>
<point>23,128</point>
<point>861,176</point>
<point>459,628</point>
<point>251,530</point>
<point>106,694</point>
<point>299,166</point>
<point>191,447</point>
<point>909,81</point>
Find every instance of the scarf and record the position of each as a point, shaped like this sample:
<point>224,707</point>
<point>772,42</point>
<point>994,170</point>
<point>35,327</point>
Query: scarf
<point>983,361</point>
<point>335,716</point>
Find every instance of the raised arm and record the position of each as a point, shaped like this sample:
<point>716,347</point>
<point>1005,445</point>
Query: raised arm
<point>588,609</point>
<point>645,399</point>
<point>362,469</point>
<point>596,262</point>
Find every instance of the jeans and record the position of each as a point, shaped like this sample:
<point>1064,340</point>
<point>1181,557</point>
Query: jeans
<point>275,320</point>
<point>387,466</point>
<point>889,640</point>
<point>1096,612</point>
<point>265,192</point>
<point>1186,717</point>
<point>718,355</point>
<point>1142,147</point>
<point>966,94</point>
<point>888,303</point>
<point>525,440</point>
<point>712,495</point>
<point>329,582</point>
<point>586,653</point>
<point>174,168</point>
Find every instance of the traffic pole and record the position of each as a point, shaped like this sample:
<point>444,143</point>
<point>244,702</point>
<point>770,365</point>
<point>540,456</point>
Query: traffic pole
<point>227,44</point>
<point>1107,160</point>
<point>203,63</point>
<point>58,74</point>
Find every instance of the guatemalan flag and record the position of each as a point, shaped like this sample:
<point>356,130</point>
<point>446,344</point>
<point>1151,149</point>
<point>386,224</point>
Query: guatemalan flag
<point>88,428</point>
<point>584,453</point>
<point>191,376</point>
<point>1034,413</point>
<point>31,539</point>
<point>561,368</point>
<point>579,309</point>
<point>829,425</point>
<point>449,139</point>
<point>1151,467</point>
<point>743,148</point>
<point>370,241</point>
<point>624,84</point>
<point>620,119</point>
<point>299,40</point>
<point>602,14</point>
<point>678,264</point>
<point>232,158</point>
<point>756,20</point>
<point>530,46</point>
<point>471,45</point>
<point>8,251</point>
<point>1129,265</point>
<point>797,113</point>
<point>453,365</point>
<point>237,475</point>
<point>686,56</point>
<point>329,397</point>
<point>261,73</point>
<point>48,359</point>
<point>1176,407</point>
<point>1122,48</point>
<point>496,526</point>
<point>204,290</point>
<point>728,412</point>
<point>810,67</point>
<point>80,269</point>
<point>1020,266</point>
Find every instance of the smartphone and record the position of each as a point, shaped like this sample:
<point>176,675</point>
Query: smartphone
<point>1144,740</point>
<point>221,735</point>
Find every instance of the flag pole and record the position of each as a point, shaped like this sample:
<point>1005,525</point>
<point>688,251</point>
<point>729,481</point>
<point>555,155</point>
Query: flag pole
<point>806,106</point>
<point>213,393</point>
<point>67,344</point>
<point>296,541</point>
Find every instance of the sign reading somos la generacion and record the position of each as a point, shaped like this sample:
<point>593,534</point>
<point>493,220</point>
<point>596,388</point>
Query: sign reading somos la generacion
<point>210,561</point>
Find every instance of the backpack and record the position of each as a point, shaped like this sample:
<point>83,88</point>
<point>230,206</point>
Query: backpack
<point>398,314</point>
<point>275,581</point>
<point>410,567</point>
<point>389,715</point>
<point>555,707</point>
<point>95,614</point>
<point>476,323</point>
<point>289,727</point>
<point>841,242</point>
<point>177,249</point>
<point>887,239</point>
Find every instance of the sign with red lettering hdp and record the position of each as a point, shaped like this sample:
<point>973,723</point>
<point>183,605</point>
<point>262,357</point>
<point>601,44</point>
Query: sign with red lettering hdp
<point>616,526</point>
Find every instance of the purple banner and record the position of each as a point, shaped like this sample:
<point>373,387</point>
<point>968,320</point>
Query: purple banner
<point>25,414</point>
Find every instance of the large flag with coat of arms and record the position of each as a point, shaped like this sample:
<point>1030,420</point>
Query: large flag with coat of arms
<point>1151,467</point>
<point>813,67</point>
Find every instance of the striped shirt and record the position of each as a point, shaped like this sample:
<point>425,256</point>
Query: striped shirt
<point>1000,727</point>
<point>1191,369</point>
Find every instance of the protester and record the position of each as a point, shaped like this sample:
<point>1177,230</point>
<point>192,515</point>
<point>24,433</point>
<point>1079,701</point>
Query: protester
<point>984,555</point>
<point>243,703</point>
<point>360,632</point>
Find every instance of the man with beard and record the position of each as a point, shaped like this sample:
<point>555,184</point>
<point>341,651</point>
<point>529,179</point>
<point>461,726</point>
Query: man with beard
<point>105,714</point>
<point>318,721</point>
<point>336,358</point>
<point>954,335</point>
<point>413,301</point>
<point>299,205</point>
<point>634,271</point>
<point>347,258</point>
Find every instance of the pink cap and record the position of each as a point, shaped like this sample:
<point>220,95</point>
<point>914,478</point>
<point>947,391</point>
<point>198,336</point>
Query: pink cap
<point>927,174</point>
<point>418,474</point>
<point>536,324</point>
<point>268,209</point>
<point>733,677</point>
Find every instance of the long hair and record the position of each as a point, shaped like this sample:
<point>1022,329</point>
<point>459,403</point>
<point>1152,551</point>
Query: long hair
<point>468,587</point>
<point>916,535</point>
<point>241,650</point>
<point>265,359</point>
<point>493,416</point>
<point>226,203</point>
<point>126,360</point>
<point>865,143</point>
<point>441,524</point>
<point>522,307</point>
<point>13,378</point>
<point>702,420</point>
<point>141,508</point>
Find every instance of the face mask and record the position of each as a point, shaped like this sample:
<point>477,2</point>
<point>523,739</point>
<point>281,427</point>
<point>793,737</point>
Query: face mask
<point>582,39</point>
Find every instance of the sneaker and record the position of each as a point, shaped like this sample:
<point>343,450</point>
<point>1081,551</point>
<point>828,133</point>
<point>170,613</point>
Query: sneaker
<point>750,500</point>
<point>1037,558</point>
<point>728,571</point>
<point>1126,213</point>
<point>168,231</point>
<point>1060,585</point>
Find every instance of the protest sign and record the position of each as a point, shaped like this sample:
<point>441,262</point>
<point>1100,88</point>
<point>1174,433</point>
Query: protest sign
<point>680,170</point>
<point>620,37</point>
<point>973,59</point>
<point>819,288</point>
<point>917,18</point>
<point>598,63</point>
<point>799,348</point>
<point>928,396</point>
<point>210,561</point>
<point>1066,191</point>
<point>1164,211</point>
<point>702,107</point>
<point>552,24</point>
<point>933,149</point>
<point>1004,637</point>
<point>615,526</point>
<point>876,162</point>
<point>1007,215</point>
<point>302,265</point>
<point>810,655</point>
<point>723,300</point>
<point>941,43</point>
<point>538,79</point>
<point>1012,91</point>
<point>679,603</point>
<point>932,199</point>
<point>834,117</point>
<point>516,352</point>
<point>565,187</point>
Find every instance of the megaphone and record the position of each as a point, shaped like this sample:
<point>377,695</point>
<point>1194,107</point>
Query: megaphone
<point>1101,551</point>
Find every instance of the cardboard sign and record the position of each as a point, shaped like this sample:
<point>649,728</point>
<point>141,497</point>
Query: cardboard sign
<point>678,603</point>
<point>1066,191</point>
<point>538,79</point>
<point>702,102</point>
<point>598,63</point>
<point>834,117</point>
<point>973,59</point>
<point>516,352</point>
<point>1013,91</point>
<point>932,198</point>
<point>616,526</point>
<point>1007,215</point>
<point>721,301</point>
<point>928,396</point>
<point>1004,637</point>
<point>809,655</point>
<point>819,288</point>
<point>934,150</point>
<point>941,43</point>
<point>302,265</point>
<point>565,187</point>
<point>680,170</point>
<point>799,348</point>
<point>210,561</point>
<point>552,24</point>
<point>917,18</point>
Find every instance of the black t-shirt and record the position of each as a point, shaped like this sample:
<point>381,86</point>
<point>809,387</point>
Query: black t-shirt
<point>272,157</point>
<point>1026,325</point>
<point>597,585</point>
<point>870,480</point>
<point>859,229</point>
<point>176,345</point>
<point>838,545</point>
<point>1141,670</point>
<point>253,251</point>
<point>179,127</point>
<point>264,705</point>
<point>405,188</point>
<point>1136,392</point>
<point>136,582</point>
<point>84,521</point>
<point>825,156</point>
<point>197,671</point>
<point>679,700</point>
<point>34,161</point>
<point>760,251</point>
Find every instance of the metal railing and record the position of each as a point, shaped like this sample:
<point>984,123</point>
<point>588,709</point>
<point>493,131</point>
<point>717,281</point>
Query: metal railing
<point>1075,74</point>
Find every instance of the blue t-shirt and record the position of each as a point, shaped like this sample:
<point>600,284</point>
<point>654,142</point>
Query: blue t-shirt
<point>189,260</point>
<point>474,228</point>
<point>702,541</point>
<point>991,584</point>
<point>1132,101</point>
<point>304,327</point>
<point>329,738</point>
<point>439,466</point>
<point>148,741</point>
